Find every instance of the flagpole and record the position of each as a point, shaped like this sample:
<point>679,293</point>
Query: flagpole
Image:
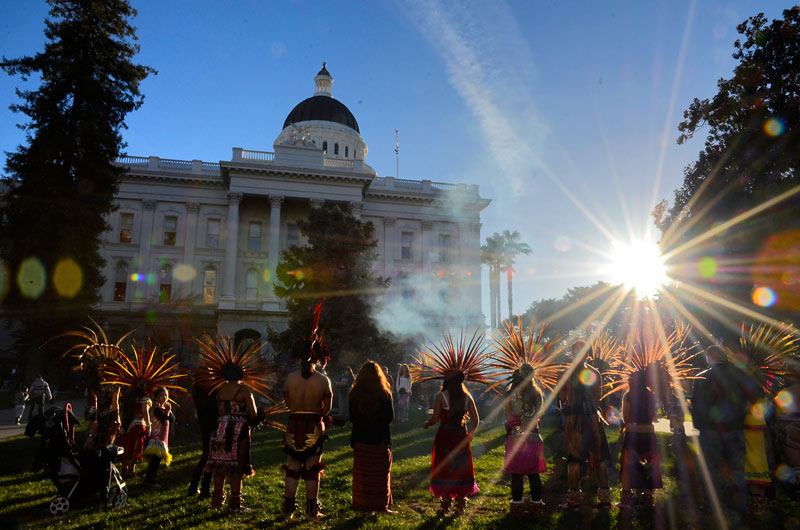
<point>397,153</point>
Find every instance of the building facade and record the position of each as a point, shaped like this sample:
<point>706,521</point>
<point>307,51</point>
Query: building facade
<point>206,237</point>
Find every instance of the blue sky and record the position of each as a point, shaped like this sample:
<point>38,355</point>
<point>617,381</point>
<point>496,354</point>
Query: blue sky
<point>565,113</point>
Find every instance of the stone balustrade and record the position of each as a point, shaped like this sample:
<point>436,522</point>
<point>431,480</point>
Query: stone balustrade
<point>196,167</point>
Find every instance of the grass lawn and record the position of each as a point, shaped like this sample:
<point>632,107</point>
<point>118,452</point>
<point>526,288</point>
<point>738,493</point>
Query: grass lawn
<point>24,496</point>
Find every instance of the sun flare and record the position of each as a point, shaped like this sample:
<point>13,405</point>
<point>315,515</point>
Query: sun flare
<point>638,265</point>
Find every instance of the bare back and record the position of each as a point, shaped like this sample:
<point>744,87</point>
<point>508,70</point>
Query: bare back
<point>308,395</point>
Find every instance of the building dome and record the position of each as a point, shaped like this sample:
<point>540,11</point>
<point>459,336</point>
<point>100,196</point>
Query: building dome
<point>322,108</point>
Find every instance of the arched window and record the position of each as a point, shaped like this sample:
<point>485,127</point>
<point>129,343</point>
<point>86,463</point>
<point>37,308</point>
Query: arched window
<point>251,286</point>
<point>209,285</point>
<point>346,149</point>
<point>325,147</point>
<point>335,149</point>
<point>165,283</point>
<point>121,282</point>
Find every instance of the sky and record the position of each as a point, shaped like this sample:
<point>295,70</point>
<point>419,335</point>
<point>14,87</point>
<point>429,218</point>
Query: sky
<point>565,113</point>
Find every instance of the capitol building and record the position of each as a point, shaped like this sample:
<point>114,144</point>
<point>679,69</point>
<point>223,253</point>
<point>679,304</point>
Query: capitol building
<point>207,236</point>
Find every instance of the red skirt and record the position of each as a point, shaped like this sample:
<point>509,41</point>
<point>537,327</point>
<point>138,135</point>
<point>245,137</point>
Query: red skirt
<point>132,441</point>
<point>372,468</point>
<point>452,472</point>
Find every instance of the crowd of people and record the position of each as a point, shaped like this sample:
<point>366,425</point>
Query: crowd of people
<point>729,408</point>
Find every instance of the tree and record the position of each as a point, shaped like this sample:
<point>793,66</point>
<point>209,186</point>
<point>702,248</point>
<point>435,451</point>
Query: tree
<point>751,155</point>
<point>491,255</point>
<point>335,265</point>
<point>61,184</point>
<point>511,248</point>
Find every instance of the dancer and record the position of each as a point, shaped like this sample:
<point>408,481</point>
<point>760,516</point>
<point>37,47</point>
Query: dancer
<point>371,413</point>
<point>234,374</point>
<point>524,361</point>
<point>452,472</point>
<point>158,444</point>
<point>403,388</point>
<point>640,463</point>
<point>584,435</point>
<point>308,395</point>
<point>205,406</point>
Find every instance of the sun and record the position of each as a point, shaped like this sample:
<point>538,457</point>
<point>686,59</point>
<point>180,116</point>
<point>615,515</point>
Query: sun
<point>638,265</point>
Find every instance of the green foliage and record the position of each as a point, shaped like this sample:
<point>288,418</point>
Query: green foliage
<point>336,264</point>
<point>61,184</point>
<point>751,153</point>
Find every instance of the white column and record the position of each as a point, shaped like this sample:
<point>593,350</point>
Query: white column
<point>275,202</point>
<point>189,243</point>
<point>142,290</point>
<point>474,280</point>
<point>228,298</point>
<point>464,280</point>
<point>388,246</point>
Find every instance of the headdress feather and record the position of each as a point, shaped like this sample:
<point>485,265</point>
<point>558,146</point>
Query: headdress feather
<point>217,353</point>
<point>470,357</point>
<point>145,370</point>
<point>768,350</point>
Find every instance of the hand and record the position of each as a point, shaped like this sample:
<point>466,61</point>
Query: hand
<point>425,425</point>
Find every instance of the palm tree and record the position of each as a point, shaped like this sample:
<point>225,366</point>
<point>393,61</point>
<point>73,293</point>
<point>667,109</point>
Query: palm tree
<point>491,255</point>
<point>511,247</point>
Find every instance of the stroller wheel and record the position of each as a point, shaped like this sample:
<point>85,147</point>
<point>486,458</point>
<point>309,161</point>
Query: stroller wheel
<point>59,505</point>
<point>117,498</point>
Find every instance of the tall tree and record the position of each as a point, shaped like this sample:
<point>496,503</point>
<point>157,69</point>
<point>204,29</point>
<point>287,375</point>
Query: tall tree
<point>491,255</point>
<point>751,155</point>
<point>335,264</point>
<point>61,184</point>
<point>511,248</point>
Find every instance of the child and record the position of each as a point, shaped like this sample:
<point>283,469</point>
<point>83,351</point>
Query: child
<point>158,445</point>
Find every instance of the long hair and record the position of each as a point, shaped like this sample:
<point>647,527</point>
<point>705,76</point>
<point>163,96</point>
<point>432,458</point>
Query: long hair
<point>454,385</point>
<point>524,382</point>
<point>370,389</point>
<point>641,398</point>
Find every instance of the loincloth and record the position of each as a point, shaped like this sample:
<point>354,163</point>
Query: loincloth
<point>305,435</point>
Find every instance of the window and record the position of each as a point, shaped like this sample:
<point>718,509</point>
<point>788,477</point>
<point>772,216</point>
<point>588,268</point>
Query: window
<point>444,248</point>
<point>125,227</point>
<point>325,147</point>
<point>254,236</point>
<point>251,290</point>
<point>212,233</point>
<point>406,241</point>
<point>346,149</point>
<point>335,149</point>
<point>165,283</point>
<point>292,235</point>
<point>121,281</point>
<point>355,153</point>
<point>209,286</point>
<point>170,229</point>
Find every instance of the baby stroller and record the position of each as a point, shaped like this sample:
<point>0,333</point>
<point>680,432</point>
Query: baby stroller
<point>76,474</point>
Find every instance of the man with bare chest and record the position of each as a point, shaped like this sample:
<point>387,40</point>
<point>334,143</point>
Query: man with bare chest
<point>308,396</point>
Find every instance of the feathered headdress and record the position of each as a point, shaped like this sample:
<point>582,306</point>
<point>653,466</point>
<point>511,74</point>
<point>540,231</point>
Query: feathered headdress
<point>448,358</point>
<point>267,414</point>
<point>666,362</point>
<point>221,362</point>
<point>313,349</point>
<point>605,353</point>
<point>514,348</point>
<point>768,350</point>
<point>94,353</point>
<point>145,370</point>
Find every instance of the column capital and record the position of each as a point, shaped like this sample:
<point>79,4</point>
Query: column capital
<point>355,208</point>
<point>149,204</point>
<point>234,197</point>
<point>192,207</point>
<point>275,201</point>
<point>316,202</point>
<point>389,221</point>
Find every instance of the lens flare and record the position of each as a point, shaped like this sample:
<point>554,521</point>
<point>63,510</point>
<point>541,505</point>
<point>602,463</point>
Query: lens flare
<point>587,377</point>
<point>638,266</point>
<point>786,402</point>
<point>67,278</point>
<point>759,410</point>
<point>31,278</point>
<point>707,267</point>
<point>613,416</point>
<point>4,280</point>
<point>150,316</point>
<point>184,273</point>
<point>774,127</point>
<point>784,473</point>
<point>764,296</point>
<point>265,275</point>
<point>562,244</point>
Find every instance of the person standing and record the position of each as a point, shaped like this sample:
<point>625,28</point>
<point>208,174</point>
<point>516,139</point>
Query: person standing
<point>157,448</point>
<point>205,406</point>
<point>403,391</point>
<point>524,453</point>
<point>20,399</point>
<point>38,394</point>
<point>308,395</point>
<point>371,413</point>
<point>584,435</point>
<point>719,403</point>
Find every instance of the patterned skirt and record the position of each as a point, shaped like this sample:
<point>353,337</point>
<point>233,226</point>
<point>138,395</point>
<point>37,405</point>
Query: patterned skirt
<point>524,454</point>
<point>372,467</point>
<point>229,447</point>
<point>452,472</point>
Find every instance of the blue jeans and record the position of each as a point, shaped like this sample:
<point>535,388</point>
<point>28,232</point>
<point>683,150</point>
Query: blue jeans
<point>725,453</point>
